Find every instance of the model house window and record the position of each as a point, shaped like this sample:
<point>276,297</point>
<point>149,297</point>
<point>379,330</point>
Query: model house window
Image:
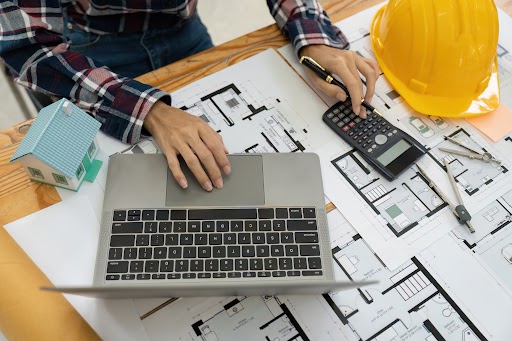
<point>91,150</point>
<point>60,179</point>
<point>80,171</point>
<point>36,173</point>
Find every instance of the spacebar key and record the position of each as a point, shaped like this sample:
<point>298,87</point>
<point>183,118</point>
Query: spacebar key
<point>215,214</point>
<point>301,225</point>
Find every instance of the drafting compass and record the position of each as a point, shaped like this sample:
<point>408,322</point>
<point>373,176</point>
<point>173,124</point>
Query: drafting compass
<point>471,153</point>
<point>460,212</point>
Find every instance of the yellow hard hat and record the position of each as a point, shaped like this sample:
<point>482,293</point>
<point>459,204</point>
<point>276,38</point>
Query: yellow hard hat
<point>440,55</point>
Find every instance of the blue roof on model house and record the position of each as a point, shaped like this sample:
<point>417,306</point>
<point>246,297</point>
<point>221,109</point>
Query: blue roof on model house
<point>60,136</point>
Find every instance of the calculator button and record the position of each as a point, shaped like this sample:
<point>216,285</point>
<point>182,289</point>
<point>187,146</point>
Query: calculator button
<point>365,137</point>
<point>374,130</point>
<point>336,111</point>
<point>360,141</point>
<point>369,141</point>
<point>340,124</point>
<point>388,127</point>
<point>390,134</point>
<point>365,130</point>
<point>345,128</point>
<point>395,131</point>
<point>355,137</point>
<point>365,123</point>
<point>330,115</point>
<point>347,111</point>
<point>357,120</point>
<point>381,139</point>
<point>379,120</point>
<point>383,130</point>
<point>374,146</point>
<point>335,119</point>
<point>351,124</point>
<point>370,119</point>
<point>351,133</point>
<point>379,126</point>
<point>346,120</point>
<point>370,150</point>
<point>352,115</point>
<point>364,145</point>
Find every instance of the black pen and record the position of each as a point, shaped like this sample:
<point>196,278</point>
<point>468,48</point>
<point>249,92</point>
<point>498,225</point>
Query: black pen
<point>311,64</point>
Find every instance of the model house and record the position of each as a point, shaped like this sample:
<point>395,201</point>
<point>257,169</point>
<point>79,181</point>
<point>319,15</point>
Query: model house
<point>60,146</point>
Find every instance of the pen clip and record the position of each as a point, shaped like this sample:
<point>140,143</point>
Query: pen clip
<point>311,60</point>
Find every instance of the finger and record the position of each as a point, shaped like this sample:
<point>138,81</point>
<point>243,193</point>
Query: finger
<point>217,148</point>
<point>328,89</point>
<point>374,65</point>
<point>174,166</point>
<point>354,85</point>
<point>226,151</point>
<point>195,167</point>
<point>369,74</point>
<point>208,160</point>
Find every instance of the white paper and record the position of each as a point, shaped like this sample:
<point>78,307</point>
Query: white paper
<point>62,241</point>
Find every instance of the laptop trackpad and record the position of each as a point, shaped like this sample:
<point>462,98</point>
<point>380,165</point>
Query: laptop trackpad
<point>243,187</point>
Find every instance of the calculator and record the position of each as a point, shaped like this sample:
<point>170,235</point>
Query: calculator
<point>389,149</point>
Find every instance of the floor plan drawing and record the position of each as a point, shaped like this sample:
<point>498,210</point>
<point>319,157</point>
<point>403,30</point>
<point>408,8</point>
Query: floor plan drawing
<point>407,304</point>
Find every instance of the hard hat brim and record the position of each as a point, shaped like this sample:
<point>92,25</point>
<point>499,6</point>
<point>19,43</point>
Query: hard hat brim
<point>488,100</point>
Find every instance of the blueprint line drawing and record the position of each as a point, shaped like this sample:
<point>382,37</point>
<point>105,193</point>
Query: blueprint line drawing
<point>408,303</point>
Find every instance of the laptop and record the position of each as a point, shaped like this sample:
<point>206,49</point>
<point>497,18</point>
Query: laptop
<point>264,233</point>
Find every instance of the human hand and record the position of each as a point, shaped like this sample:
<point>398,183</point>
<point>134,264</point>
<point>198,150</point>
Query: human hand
<point>179,133</point>
<point>345,64</point>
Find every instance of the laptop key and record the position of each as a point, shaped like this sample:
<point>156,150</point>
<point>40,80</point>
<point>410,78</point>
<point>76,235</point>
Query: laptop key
<point>315,262</point>
<point>158,276</point>
<point>256,264</point>
<point>237,226</point>
<point>174,276</point>
<point>186,239</point>
<point>266,213</point>
<point>122,240</point>
<point>293,273</point>
<point>189,276</point>
<point>134,212</point>
<point>301,225</point>
<point>265,225</point>
<point>219,275</point>
<point>145,253</point>
<point>160,253</point>
<point>148,215</point>
<point>200,239</point>
<point>162,215</point>
<point>277,250</point>
<point>189,252</point>
<point>128,277</point>
<point>133,217</point>
<point>115,253</point>
<point>178,215</point>
<point>248,251</point>
<point>310,250</point>
<point>292,250</point>
<point>226,265</point>
<point>157,240</point>
<point>218,214</point>
<point>279,225</point>
<point>264,273</point>
<point>204,251</point>
<point>251,225</point>
<point>250,274</point>
<point>136,266</point>
<point>272,238</point>
<point>286,237</point>
<point>215,239</point>
<point>244,238</point>
<point>119,216</point>
<point>165,227</point>
<point>223,226</point>
<point>150,226</point>
<point>309,212</point>
<point>211,265</point>
<point>258,238</point>
<point>300,263</point>
<point>312,273</point>
<point>197,265</point>
<point>204,275</point>
<point>142,240</point>
<point>171,239</point>
<point>270,264</point>
<point>134,227</point>
<point>117,267</point>
<point>112,277</point>
<point>306,237</point>
<point>208,226</point>
<point>295,213</point>
<point>174,252</point>
<point>278,273</point>
<point>233,251</point>
<point>281,213</point>
<point>143,277</point>
<point>181,265</point>
<point>151,266</point>
<point>194,226</point>
<point>179,227</point>
<point>167,266</point>
<point>230,238</point>
<point>130,253</point>
<point>241,264</point>
<point>262,251</point>
<point>234,275</point>
<point>219,251</point>
<point>285,264</point>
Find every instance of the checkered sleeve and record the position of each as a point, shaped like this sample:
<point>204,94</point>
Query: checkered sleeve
<point>306,23</point>
<point>33,47</point>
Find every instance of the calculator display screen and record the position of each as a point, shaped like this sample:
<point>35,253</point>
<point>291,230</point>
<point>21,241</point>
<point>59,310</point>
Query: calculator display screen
<point>392,153</point>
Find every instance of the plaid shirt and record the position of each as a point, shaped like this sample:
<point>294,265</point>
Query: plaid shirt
<point>33,46</point>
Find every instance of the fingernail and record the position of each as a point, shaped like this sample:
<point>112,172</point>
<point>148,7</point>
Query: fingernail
<point>226,169</point>
<point>357,110</point>
<point>207,186</point>
<point>183,183</point>
<point>219,183</point>
<point>363,112</point>
<point>340,97</point>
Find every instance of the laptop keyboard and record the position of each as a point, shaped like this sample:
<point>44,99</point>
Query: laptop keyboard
<point>213,243</point>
